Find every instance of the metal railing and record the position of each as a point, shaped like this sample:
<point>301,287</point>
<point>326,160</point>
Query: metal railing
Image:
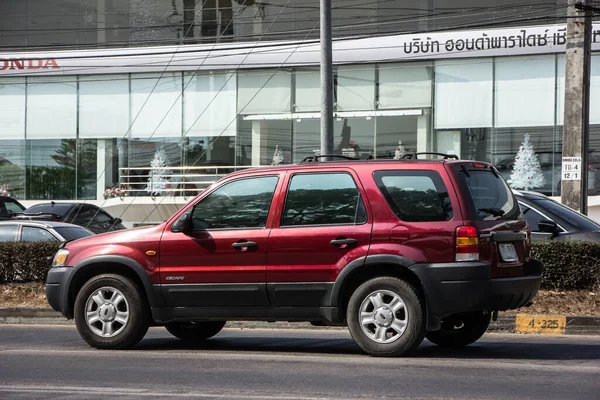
<point>181,181</point>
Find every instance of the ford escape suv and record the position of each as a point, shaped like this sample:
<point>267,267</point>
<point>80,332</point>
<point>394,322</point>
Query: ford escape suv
<point>396,250</point>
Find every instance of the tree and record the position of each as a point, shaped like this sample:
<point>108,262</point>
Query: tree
<point>158,180</point>
<point>526,173</point>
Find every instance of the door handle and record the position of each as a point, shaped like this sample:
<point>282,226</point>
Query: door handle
<point>343,242</point>
<point>243,246</point>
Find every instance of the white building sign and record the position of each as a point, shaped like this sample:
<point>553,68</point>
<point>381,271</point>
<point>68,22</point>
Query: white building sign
<point>571,168</point>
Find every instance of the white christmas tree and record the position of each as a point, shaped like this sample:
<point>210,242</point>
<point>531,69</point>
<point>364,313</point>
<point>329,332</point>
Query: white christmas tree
<point>526,173</point>
<point>158,180</point>
<point>277,156</point>
<point>399,151</point>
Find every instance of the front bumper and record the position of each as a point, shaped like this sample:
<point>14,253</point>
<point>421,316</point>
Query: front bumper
<point>453,288</point>
<point>57,289</point>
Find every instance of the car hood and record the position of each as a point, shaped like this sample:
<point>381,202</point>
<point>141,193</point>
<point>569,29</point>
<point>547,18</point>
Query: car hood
<point>145,233</point>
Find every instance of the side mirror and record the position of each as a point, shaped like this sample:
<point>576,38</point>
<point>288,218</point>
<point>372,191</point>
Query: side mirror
<point>118,221</point>
<point>548,226</point>
<point>182,224</point>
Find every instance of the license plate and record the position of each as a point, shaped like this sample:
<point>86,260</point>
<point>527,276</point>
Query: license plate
<point>508,252</point>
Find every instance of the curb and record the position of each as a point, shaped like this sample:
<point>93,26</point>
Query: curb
<point>506,323</point>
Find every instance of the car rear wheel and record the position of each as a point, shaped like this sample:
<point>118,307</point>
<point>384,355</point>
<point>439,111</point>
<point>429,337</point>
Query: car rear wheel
<point>111,312</point>
<point>385,317</point>
<point>195,331</point>
<point>461,329</point>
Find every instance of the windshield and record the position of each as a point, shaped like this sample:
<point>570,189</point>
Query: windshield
<point>578,220</point>
<point>491,197</point>
<point>72,232</point>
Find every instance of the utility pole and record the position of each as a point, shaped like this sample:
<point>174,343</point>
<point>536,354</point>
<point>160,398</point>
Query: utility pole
<point>326,79</point>
<point>574,176</point>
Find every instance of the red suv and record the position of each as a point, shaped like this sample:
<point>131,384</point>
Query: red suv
<point>395,250</point>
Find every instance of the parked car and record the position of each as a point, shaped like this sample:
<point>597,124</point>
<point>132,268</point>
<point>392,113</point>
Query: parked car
<point>89,216</point>
<point>9,207</point>
<point>396,250</point>
<point>34,231</point>
<point>550,220</point>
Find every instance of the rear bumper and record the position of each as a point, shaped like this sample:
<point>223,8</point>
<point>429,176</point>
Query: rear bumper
<point>57,285</point>
<point>453,288</point>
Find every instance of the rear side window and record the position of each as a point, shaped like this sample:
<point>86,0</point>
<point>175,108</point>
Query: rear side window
<point>8,233</point>
<point>415,196</point>
<point>491,198</point>
<point>323,199</point>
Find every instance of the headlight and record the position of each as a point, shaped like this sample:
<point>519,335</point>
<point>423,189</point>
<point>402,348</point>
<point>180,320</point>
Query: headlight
<point>60,258</point>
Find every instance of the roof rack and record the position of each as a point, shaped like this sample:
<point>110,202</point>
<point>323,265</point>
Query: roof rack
<point>411,156</point>
<point>310,159</point>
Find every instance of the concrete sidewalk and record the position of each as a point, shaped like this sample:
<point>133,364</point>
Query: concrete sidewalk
<point>509,323</point>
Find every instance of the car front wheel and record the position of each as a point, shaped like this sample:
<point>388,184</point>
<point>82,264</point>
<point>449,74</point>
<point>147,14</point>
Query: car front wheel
<point>195,331</point>
<point>461,329</point>
<point>111,312</point>
<point>385,317</point>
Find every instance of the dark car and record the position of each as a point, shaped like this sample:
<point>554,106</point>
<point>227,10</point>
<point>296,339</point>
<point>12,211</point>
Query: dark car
<point>396,250</point>
<point>89,216</point>
<point>549,219</point>
<point>9,207</point>
<point>34,231</point>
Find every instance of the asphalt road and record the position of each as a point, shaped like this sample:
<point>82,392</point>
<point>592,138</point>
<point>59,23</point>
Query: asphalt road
<point>52,362</point>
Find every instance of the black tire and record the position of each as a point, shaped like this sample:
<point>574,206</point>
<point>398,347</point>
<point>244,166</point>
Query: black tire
<point>134,304</point>
<point>395,342</point>
<point>461,329</point>
<point>195,331</point>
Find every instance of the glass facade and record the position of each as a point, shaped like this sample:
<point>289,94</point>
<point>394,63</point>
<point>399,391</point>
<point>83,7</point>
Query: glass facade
<point>72,137</point>
<point>42,24</point>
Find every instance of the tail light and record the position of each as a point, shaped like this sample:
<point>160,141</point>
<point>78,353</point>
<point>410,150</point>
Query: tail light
<point>467,243</point>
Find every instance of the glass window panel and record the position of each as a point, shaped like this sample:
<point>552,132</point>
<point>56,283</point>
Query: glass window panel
<point>31,234</point>
<point>51,169</point>
<point>258,141</point>
<point>51,107</point>
<point>308,91</point>
<point>323,199</point>
<point>12,104</point>
<point>355,88</point>
<point>209,105</point>
<point>353,137</point>
<point>8,233</point>
<point>87,166</point>
<point>404,86</point>
<point>12,167</point>
<point>525,91</point>
<point>264,92</point>
<point>156,105</point>
<point>239,204</point>
<point>463,94</point>
<point>148,155</point>
<point>103,106</point>
<point>594,90</point>
<point>415,196</point>
<point>402,133</point>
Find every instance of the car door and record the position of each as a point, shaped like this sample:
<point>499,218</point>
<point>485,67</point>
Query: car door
<point>323,225</point>
<point>219,260</point>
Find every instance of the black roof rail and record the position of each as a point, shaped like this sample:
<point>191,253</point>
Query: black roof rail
<point>310,159</point>
<point>410,156</point>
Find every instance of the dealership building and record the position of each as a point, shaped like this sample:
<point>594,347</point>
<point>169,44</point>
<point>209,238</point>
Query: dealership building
<point>158,114</point>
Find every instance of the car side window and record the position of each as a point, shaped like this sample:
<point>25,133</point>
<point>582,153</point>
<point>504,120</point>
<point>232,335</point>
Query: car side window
<point>8,233</point>
<point>102,218</point>
<point>13,207</point>
<point>33,234</point>
<point>244,203</point>
<point>323,199</point>
<point>83,215</point>
<point>532,217</point>
<point>415,196</point>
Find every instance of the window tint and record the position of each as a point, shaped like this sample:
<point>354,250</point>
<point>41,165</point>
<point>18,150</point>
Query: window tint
<point>13,207</point>
<point>532,217</point>
<point>72,233</point>
<point>574,218</point>
<point>102,217</point>
<point>415,196</point>
<point>31,234</point>
<point>491,197</point>
<point>323,199</point>
<point>8,233</point>
<point>83,215</point>
<point>239,204</point>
